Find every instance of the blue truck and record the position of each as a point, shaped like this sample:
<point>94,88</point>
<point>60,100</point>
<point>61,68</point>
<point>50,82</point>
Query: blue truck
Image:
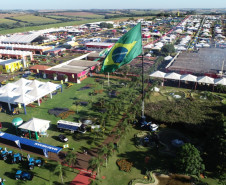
<point>72,126</point>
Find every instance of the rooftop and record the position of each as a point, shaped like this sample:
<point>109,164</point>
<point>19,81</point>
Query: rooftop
<point>206,60</point>
<point>4,62</point>
<point>25,38</point>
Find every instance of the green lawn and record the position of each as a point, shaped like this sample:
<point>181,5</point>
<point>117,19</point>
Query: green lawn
<point>129,151</point>
<point>42,175</point>
<point>66,100</point>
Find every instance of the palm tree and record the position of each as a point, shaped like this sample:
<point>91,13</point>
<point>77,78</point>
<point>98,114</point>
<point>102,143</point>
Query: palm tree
<point>95,163</point>
<point>105,150</point>
<point>71,159</point>
<point>77,103</point>
<point>59,170</point>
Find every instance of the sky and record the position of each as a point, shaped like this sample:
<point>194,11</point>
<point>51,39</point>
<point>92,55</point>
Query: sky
<point>111,4</point>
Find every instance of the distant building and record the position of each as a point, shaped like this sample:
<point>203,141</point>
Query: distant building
<point>76,70</point>
<point>11,65</point>
<point>98,46</point>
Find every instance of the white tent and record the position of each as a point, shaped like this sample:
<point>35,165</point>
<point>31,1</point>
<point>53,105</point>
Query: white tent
<point>25,99</point>
<point>157,74</point>
<point>8,87</point>
<point>36,84</point>
<point>205,79</point>
<point>36,125</point>
<point>26,91</point>
<point>22,82</point>
<point>220,81</point>
<point>189,78</point>
<point>172,76</point>
<point>168,58</point>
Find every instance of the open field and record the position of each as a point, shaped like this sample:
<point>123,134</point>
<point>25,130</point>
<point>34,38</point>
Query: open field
<point>35,19</point>
<point>78,14</point>
<point>71,23</point>
<point>3,15</point>
<point>59,17</point>
<point>6,21</point>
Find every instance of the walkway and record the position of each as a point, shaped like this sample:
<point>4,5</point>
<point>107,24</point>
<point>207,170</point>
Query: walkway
<point>83,178</point>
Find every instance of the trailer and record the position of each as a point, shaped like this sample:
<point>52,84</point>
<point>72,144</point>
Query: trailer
<point>72,126</point>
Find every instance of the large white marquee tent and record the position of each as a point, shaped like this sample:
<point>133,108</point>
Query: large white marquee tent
<point>26,91</point>
<point>189,78</point>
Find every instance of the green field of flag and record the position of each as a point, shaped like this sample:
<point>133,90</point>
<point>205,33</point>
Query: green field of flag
<point>128,47</point>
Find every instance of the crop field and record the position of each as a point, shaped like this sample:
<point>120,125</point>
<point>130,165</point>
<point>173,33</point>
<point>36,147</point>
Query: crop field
<point>59,17</point>
<point>3,15</point>
<point>78,14</point>
<point>6,21</point>
<point>35,19</point>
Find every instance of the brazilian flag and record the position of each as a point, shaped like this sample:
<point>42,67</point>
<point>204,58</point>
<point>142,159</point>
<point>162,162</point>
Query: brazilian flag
<point>128,47</point>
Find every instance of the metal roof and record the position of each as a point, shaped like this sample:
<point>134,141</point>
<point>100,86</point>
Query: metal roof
<point>5,62</point>
<point>25,38</point>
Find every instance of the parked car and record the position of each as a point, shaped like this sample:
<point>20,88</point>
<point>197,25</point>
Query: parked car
<point>62,138</point>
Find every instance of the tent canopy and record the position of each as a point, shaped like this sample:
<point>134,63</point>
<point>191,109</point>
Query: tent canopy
<point>157,74</point>
<point>220,81</point>
<point>189,78</point>
<point>173,76</point>
<point>205,79</point>
<point>36,125</point>
<point>26,91</point>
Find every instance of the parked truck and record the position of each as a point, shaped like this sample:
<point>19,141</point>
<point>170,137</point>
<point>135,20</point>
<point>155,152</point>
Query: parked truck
<point>72,126</point>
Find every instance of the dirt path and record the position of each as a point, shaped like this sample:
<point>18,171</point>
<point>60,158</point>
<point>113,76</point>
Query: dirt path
<point>154,183</point>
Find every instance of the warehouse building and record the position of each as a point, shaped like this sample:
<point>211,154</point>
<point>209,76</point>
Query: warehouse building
<point>31,48</point>
<point>11,65</point>
<point>74,70</point>
<point>98,46</point>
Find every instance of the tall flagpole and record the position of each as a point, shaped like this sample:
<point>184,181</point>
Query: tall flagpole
<point>142,115</point>
<point>108,80</point>
<point>142,83</point>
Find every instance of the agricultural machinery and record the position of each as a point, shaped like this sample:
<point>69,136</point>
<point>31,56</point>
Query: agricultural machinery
<point>34,162</point>
<point>16,158</point>
<point>5,154</point>
<point>23,175</point>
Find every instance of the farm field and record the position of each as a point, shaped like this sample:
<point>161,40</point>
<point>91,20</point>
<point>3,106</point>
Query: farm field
<point>6,21</point>
<point>59,17</point>
<point>78,14</point>
<point>3,15</point>
<point>35,19</point>
<point>70,23</point>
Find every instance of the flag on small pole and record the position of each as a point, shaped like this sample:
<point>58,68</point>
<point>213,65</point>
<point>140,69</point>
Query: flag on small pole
<point>18,143</point>
<point>45,153</point>
<point>128,47</point>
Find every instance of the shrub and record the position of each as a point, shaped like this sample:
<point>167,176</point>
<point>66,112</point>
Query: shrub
<point>124,165</point>
<point>64,115</point>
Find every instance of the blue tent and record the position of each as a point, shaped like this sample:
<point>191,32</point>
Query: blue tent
<point>27,144</point>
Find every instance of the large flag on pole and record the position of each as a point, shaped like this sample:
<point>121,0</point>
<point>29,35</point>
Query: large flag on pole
<point>128,47</point>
